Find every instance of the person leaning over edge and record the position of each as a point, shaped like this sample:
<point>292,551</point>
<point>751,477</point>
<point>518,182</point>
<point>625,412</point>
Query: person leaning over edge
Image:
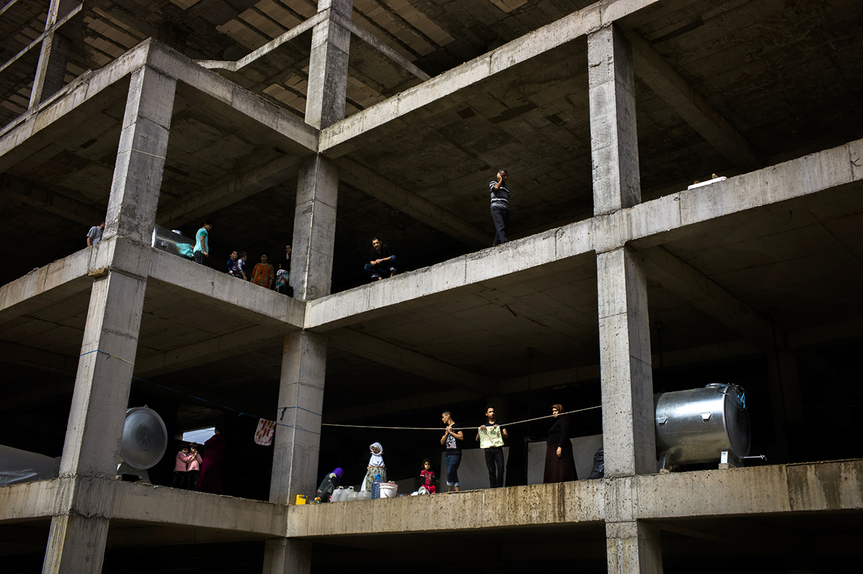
<point>499,206</point>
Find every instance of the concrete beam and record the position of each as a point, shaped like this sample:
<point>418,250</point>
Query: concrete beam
<point>29,500</point>
<point>172,506</point>
<point>234,66</point>
<point>240,298</point>
<point>787,488</point>
<point>776,490</point>
<point>335,139</point>
<point>672,88</point>
<point>37,41</point>
<point>56,203</point>
<point>691,285</point>
<point>648,224</point>
<point>408,289</point>
<point>37,359</point>
<point>54,53</point>
<point>369,39</point>
<point>680,214</point>
<point>47,285</point>
<point>409,361</point>
<point>62,112</point>
<point>229,191</point>
<point>409,203</point>
<point>283,127</point>
<point>576,502</point>
<point>211,350</point>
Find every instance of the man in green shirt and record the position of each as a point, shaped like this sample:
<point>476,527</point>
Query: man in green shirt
<point>202,243</point>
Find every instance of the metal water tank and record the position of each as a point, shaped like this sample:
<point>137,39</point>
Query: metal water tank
<point>697,425</point>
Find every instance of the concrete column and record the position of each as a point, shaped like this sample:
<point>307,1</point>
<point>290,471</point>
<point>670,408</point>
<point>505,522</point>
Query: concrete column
<point>76,541</point>
<point>141,156</point>
<point>625,361</point>
<point>633,547</point>
<point>328,67</point>
<point>614,141</point>
<point>53,56</point>
<point>284,556</point>
<point>314,228</point>
<point>298,436</point>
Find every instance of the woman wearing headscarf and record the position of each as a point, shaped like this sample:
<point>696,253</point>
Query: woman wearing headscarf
<point>559,462</point>
<point>375,467</point>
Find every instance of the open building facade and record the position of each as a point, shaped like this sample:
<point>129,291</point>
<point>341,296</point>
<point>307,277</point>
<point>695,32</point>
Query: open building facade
<point>324,124</point>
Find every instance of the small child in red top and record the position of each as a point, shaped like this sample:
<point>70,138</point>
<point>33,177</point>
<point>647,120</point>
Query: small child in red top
<point>427,476</point>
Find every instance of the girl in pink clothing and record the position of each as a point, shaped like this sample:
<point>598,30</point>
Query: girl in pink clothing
<point>428,476</point>
<point>181,467</point>
<point>194,469</point>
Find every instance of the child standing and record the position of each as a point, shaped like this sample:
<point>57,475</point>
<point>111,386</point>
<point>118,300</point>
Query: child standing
<point>375,467</point>
<point>233,269</point>
<point>194,468</point>
<point>283,277</point>
<point>428,476</point>
<point>181,465</point>
<point>241,265</point>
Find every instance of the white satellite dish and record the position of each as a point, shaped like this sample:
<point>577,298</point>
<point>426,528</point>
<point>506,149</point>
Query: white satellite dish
<point>145,440</point>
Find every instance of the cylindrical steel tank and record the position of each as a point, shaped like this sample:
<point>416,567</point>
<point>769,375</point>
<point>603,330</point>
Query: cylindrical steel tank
<point>697,425</point>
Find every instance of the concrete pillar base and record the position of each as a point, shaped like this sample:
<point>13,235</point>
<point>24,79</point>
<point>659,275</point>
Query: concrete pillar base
<point>633,548</point>
<point>284,556</point>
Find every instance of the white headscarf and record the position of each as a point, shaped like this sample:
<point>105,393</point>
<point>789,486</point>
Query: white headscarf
<point>376,459</point>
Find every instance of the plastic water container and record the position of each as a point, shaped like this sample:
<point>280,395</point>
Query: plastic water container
<point>337,494</point>
<point>364,495</point>
<point>389,490</point>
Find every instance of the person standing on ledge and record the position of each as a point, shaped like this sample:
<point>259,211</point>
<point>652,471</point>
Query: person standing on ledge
<point>202,243</point>
<point>490,438</point>
<point>499,207</point>
<point>381,261</point>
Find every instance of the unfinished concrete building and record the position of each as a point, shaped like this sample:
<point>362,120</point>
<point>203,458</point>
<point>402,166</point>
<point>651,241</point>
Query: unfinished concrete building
<point>323,124</point>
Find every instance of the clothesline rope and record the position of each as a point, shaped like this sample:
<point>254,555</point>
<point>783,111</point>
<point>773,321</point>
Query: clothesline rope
<point>335,425</point>
<point>512,424</point>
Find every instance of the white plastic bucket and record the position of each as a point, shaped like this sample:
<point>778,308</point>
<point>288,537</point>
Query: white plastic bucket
<point>389,490</point>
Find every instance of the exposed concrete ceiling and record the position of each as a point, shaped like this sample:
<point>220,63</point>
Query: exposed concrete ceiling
<point>420,182</point>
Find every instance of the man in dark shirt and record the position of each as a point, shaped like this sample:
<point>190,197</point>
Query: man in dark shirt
<point>490,438</point>
<point>499,206</point>
<point>381,261</point>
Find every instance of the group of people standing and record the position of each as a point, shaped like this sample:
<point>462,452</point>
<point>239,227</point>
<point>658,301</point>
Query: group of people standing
<point>192,471</point>
<point>559,459</point>
<point>262,274</point>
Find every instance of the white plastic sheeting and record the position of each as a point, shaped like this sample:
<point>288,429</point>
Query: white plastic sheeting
<point>23,466</point>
